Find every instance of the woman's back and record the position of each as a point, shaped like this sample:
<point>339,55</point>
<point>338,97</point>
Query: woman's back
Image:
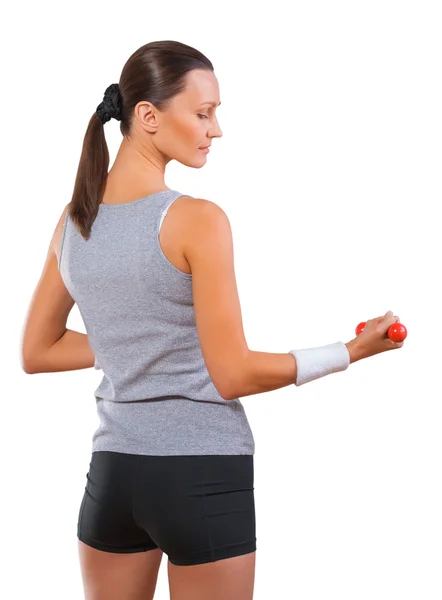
<point>138,311</point>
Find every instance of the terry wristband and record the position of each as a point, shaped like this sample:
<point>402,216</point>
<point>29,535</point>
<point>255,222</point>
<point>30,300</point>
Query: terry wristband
<point>313,363</point>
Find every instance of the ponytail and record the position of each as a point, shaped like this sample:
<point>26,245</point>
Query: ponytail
<point>92,171</point>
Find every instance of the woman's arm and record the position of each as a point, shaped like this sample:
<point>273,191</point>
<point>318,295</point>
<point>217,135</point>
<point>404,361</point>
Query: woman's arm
<point>46,344</point>
<point>264,372</point>
<point>235,370</point>
<point>72,351</point>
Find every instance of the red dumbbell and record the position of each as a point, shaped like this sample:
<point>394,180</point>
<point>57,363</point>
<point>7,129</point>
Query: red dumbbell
<point>396,332</point>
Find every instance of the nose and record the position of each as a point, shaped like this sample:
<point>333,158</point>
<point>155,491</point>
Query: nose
<point>215,131</point>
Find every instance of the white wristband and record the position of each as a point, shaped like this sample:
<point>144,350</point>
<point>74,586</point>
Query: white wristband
<point>313,363</point>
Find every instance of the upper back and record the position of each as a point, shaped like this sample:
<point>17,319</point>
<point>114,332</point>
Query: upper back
<point>135,303</point>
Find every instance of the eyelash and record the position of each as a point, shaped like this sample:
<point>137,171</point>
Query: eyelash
<point>204,116</point>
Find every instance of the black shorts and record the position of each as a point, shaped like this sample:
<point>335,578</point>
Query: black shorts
<point>196,509</point>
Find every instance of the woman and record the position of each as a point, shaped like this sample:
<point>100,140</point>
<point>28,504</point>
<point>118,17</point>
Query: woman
<point>151,271</point>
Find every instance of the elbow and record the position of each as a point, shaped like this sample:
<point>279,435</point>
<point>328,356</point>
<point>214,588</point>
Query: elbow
<point>224,392</point>
<point>228,396</point>
<point>230,392</point>
<point>235,385</point>
<point>27,363</point>
<point>28,367</point>
<point>225,388</point>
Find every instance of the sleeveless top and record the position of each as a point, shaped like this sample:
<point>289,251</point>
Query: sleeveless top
<point>156,396</point>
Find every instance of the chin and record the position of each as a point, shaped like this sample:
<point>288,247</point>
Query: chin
<point>196,164</point>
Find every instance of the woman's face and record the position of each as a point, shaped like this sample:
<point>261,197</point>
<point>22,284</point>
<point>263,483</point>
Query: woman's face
<point>189,123</point>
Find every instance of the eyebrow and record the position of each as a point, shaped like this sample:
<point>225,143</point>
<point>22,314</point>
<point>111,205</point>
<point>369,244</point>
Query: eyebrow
<point>212,103</point>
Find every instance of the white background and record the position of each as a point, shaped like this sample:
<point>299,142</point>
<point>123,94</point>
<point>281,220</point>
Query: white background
<point>330,172</point>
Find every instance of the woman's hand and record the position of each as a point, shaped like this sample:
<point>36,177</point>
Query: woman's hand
<point>373,339</point>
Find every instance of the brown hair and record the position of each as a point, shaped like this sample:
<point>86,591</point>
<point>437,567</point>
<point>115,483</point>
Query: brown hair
<point>156,72</point>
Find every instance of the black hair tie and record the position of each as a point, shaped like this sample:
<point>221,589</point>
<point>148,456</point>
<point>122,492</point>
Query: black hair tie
<point>111,107</point>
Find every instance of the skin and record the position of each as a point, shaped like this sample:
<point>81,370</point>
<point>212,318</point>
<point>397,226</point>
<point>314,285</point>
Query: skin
<point>48,346</point>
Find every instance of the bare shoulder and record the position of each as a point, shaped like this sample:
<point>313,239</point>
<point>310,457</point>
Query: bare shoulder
<point>196,212</point>
<point>199,206</point>
<point>187,225</point>
<point>202,220</point>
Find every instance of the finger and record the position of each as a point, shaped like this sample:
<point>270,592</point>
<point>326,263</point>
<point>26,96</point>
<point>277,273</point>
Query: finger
<point>389,318</point>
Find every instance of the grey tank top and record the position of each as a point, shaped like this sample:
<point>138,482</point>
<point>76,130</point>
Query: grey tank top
<point>156,396</point>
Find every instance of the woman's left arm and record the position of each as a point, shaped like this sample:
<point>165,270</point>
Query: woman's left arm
<point>46,344</point>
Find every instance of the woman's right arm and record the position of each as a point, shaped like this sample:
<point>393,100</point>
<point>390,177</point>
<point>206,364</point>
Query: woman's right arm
<point>235,370</point>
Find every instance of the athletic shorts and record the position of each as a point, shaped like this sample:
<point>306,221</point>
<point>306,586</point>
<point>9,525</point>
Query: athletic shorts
<point>195,508</point>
